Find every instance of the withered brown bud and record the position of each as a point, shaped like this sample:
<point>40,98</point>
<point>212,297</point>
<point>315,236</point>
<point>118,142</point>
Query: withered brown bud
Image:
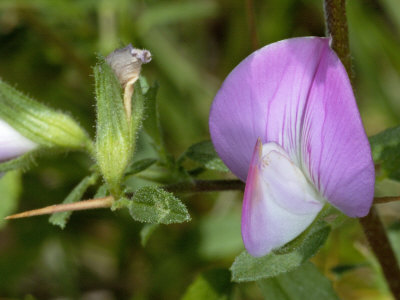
<point>126,63</point>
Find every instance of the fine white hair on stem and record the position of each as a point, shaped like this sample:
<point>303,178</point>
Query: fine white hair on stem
<point>126,63</point>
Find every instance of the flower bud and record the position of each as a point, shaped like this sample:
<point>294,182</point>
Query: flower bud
<point>38,123</point>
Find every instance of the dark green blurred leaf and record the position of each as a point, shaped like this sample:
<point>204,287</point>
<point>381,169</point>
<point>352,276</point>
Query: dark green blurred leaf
<point>211,285</point>
<point>10,190</point>
<point>152,204</point>
<point>140,165</point>
<point>101,192</point>
<point>342,269</point>
<point>249,268</point>
<point>385,148</point>
<point>61,218</point>
<point>151,123</point>
<point>146,232</point>
<point>305,282</point>
<point>204,154</point>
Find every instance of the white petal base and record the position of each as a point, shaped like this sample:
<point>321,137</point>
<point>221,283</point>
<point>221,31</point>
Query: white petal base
<point>279,201</point>
<point>12,143</point>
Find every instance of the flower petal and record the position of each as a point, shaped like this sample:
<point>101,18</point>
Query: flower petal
<point>335,148</point>
<point>12,143</point>
<point>279,203</point>
<point>296,93</point>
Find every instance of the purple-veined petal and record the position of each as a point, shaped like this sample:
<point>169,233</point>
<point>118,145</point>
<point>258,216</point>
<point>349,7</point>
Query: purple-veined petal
<point>279,202</point>
<point>12,143</point>
<point>296,93</point>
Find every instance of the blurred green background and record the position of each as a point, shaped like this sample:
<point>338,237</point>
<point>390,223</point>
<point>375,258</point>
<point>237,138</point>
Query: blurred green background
<point>47,48</point>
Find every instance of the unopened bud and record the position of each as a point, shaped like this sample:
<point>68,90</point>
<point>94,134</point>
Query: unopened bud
<point>126,64</point>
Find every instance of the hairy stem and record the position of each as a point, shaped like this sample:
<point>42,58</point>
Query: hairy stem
<point>335,13</point>
<point>336,23</point>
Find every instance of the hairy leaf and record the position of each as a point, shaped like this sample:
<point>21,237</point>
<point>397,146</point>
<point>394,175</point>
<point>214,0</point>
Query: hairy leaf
<point>249,268</point>
<point>152,204</point>
<point>61,218</point>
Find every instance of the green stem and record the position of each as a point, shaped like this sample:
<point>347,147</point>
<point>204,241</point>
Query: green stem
<point>335,12</point>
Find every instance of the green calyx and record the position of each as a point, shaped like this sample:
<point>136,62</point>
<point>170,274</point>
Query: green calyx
<point>116,130</point>
<point>39,123</point>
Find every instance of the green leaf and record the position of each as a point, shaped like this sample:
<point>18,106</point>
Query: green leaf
<point>146,232</point>
<point>305,282</point>
<point>204,154</point>
<point>113,138</point>
<point>152,204</point>
<point>38,122</point>
<point>249,268</point>
<point>140,165</point>
<point>10,190</point>
<point>101,192</point>
<point>210,285</point>
<point>61,218</point>
<point>23,162</point>
<point>385,148</point>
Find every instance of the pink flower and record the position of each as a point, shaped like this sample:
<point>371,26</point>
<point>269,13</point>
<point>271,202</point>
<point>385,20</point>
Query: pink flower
<point>293,100</point>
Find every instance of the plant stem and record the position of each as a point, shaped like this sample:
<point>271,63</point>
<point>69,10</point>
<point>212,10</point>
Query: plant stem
<point>205,186</point>
<point>380,244</point>
<point>251,20</point>
<point>335,13</point>
<point>336,22</point>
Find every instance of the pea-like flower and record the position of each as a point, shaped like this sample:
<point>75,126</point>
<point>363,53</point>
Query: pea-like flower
<point>12,143</point>
<point>293,100</point>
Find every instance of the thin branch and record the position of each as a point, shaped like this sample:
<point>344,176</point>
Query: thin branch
<point>251,20</point>
<point>335,13</point>
<point>106,202</point>
<point>337,29</point>
<point>81,205</point>
<point>380,244</point>
<point>205,186</point>
<point>382,200</point>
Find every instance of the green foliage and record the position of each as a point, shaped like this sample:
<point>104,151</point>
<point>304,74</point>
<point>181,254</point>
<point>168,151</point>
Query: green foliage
<point>10,190</point>
<point>146,232</point>
<point>61,218</point>
<point>385,148</point>
<point>210,285</point>
<point>113,136</point>
<point>152,204</point>
<point>204,154</point>
<point>140,165</point>
<point>249,268</point>
<point>305,282</point>
<point>151,123</point>
<point>39,123</point>
<point>23,162</point>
